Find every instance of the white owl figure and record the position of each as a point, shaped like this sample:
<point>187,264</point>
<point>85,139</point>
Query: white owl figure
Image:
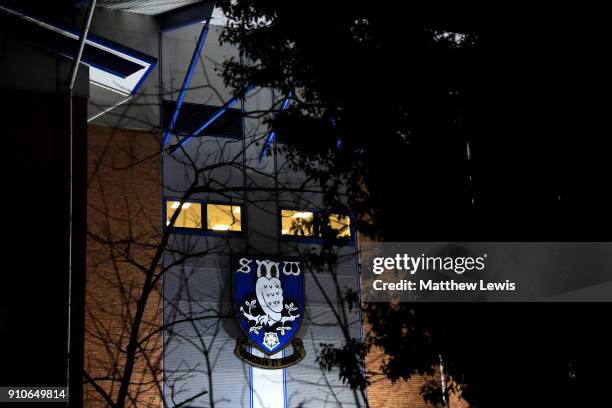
<point>269,291</point>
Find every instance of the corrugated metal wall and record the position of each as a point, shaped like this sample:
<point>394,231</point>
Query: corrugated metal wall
<point>199,355</point>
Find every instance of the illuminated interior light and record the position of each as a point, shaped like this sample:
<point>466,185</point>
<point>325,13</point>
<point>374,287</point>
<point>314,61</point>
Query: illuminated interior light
<point>190,215</point>
<point>341,224</point>
<point>302,214</point>
<point>222,217</point>
<point>176,204</point>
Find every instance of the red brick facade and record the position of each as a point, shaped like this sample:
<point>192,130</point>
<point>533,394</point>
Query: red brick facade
<point>123,221</point>
<point>382,393</point>
<point>402,394</point>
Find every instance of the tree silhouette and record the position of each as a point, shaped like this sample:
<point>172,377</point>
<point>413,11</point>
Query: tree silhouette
<point>130,254</point>
<point>439,124</point>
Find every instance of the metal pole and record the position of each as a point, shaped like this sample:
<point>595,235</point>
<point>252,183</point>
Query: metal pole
<point>84,32</point>
<point>215,116</point>
<point>443,382</point>
<point>272,136</point>
<point>75,362</point>
<point>192,66</point>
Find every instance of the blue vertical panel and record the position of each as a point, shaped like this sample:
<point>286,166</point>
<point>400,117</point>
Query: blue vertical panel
<point>192,66</point>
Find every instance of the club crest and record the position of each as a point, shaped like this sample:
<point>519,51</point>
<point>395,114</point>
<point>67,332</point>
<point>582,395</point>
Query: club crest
<point>269,303</point>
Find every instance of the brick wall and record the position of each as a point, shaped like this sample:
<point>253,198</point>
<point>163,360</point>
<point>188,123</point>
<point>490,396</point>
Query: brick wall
<point>382,393</point>
<point>123,225</point>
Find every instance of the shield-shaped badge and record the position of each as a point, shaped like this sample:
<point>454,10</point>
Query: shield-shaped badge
<point>269,301</point>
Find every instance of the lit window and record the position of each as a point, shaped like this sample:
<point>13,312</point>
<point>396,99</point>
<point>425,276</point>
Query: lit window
<point>297,223</point>
<point>341,224</point>
<point>223,217</point>
<point>189,217</point>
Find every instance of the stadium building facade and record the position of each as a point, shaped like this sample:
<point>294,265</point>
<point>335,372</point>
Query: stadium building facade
<point>182,168</point>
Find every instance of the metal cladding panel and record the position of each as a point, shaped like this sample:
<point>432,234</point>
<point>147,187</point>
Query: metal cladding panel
<point>219,262</point>
<point>213,249</point>
<point>209,287</point>
<point>206,323</point>
<point>209,281</point>
<point>207,85</point>
<point>140,33</point>
<point>326,286</point>
<point>310,386</point>
<point>323,326</point>
<point>197,285</point>
<point>207,297</point>
<point>213,284</point>
<point>214,320</point>
<point>189,372</point>
<point>207,149</point>
<point>186,16</point>
<point>150,7</point>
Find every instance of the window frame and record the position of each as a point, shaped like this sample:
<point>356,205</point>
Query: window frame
<point>315,230</point>
<point>204,230</point>
<point>316,237</point>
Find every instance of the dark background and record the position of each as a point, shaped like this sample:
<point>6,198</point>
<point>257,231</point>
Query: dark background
<point>34,287</point>
<point>532,103</point>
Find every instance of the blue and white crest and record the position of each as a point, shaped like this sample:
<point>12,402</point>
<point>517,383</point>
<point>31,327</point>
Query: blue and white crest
<point>268,301</point>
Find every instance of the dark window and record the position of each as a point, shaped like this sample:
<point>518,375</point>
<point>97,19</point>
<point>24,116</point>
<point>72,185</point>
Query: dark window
<point>193,115</point>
